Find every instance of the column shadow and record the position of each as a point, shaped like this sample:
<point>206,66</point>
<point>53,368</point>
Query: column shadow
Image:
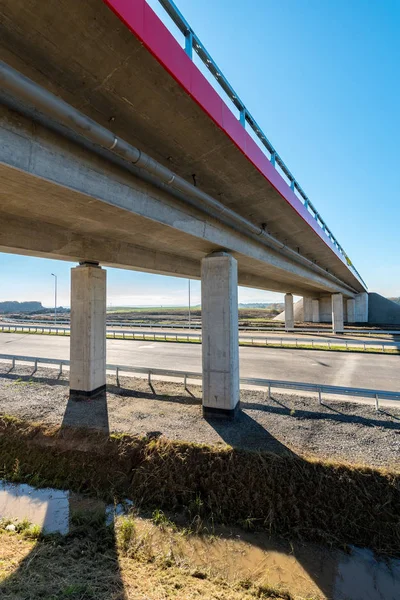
<point>247,434</point>
<point>88,414</point>
<point>82,564</point>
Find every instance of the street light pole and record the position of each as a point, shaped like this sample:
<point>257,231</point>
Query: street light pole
<point>55,299</point>
<point>189,303</point>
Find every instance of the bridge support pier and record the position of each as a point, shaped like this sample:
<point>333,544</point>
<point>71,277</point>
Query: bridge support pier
<point>351,310</point>
<point>307,309</point>
<point>315,310</point>
<point>289,312</point>
<point>337,313</point>
<point>88,331</point>
<point>361,308</point>
<point>220,347</point>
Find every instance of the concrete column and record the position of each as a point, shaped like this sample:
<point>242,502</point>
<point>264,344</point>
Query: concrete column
<point>325,309</point>
<point>351,310</point>
<point>307,309</point>
<point>220,347</point>
<point>337,313</point>
<point>289,312</point>
<point>315,311</point>
<point>361,308</point>
<point>88,331</point>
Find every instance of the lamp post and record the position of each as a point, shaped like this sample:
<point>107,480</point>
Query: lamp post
<point>189,303</point>
<point>55,299</point>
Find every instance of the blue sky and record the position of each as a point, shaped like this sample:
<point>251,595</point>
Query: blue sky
<point>322,80</point>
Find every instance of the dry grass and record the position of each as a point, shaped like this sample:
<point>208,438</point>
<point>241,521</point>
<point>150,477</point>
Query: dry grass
<point>287,496</point>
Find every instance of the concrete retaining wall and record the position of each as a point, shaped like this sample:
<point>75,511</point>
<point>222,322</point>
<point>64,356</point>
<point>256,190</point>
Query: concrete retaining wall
<point>382,311</point>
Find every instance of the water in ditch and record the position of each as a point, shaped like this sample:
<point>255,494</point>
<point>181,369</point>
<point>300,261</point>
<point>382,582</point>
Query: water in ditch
<point>306,570</point>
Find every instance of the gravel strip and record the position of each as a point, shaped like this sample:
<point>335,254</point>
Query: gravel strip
<point>286,423</point>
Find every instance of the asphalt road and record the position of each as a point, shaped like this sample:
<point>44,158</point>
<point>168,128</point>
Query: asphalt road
<point>311,366</point>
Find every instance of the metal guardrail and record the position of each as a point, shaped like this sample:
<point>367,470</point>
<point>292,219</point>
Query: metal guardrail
<point>272,328</point>
<point>283,341</point>
<point>268,384</point>
<point>192,42</point>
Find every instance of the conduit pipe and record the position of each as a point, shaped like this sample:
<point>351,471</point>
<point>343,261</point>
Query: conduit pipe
<point>47,103</point>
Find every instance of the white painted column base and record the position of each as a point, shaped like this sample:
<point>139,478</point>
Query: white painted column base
<point>289,312</point>
<point>315,311</point>
<point>337,313</point>
<point>88,331</point>
<point>307,309</point>
<point>220,335</point>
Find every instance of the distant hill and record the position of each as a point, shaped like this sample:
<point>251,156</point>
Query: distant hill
<point>397,300</point>
<point>20,307</point>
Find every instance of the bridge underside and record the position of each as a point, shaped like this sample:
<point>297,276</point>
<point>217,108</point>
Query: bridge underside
<point>82,52</point>
<point>61,200</point>
<point>64,198</point>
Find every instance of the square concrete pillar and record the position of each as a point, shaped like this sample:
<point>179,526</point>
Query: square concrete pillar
<point>88,331</point>
<point>289,312</point>
<point>351,310</point>
<point>325,309</point>
<point>307,309</point>
<point>315,311</point>
<point>361,308</point>
<point>337,313</point>
<point>220,335</point>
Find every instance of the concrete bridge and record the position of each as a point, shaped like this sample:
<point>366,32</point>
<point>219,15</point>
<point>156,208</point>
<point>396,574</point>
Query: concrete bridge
<point>116,149</point>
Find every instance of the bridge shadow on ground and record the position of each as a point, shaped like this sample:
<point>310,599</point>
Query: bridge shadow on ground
<point>273,406</point>
<point>61,558</point>
<point>83,565</point>
<point>95,414</point>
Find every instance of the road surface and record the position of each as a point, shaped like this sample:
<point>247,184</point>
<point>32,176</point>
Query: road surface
<point>330,368</point>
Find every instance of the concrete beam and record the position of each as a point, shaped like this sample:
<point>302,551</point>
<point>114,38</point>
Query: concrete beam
<point>289,312</point>
<point>88,331</point>
<point>61,184</point>
<point>337,313</point>
<point>220,347</point>
<point>32,238</point>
